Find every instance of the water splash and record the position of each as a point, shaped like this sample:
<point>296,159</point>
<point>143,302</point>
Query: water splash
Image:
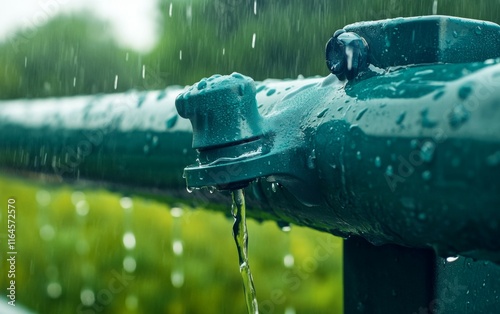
<point>177,272</point>
<point>288,262</point>
<point>240,235</point>
<point>82,247</point>
<point>129,263</point>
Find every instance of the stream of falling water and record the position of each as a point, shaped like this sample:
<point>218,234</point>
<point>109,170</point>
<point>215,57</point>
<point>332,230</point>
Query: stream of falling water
<point>240,235</point>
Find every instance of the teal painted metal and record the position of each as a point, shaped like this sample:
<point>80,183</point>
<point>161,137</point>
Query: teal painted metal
<point>131,141</point>
<point>406,155</point>
<point>427,39</point>
<point>411,162</point>
<point>401,154</point>
<point>395,279</point>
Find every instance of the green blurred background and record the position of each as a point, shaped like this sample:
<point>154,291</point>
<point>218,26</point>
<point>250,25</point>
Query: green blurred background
<point>124,255</point>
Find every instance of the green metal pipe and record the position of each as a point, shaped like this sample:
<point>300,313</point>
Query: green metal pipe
<point>407,155</point>
<point>401,153</point>
<point>132,143</point>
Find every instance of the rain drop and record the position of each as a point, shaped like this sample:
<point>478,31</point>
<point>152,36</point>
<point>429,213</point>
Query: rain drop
<point>270,92</point>
<point>451,259</point>
<point>427,151</point>
<point>290,310</point>
<point>177,272</point>
<point>54,290</point>
<point>361,114</point>
<point>82,208</point>
<point>389,171</point>
<point>273,187</point>
<point>426,175</point>
<point>426,122</point>
<point>202,84</point>
<point>465,91</point>
<point>177,279</point>
<point>129,240</point>
<point>170,123</point>
<point>129,264</point>
<point>87,297</point>
<point>458,116</point>
<point>322,113</point>
<point>177,247</point>
<point>311,160</point>
<point>401,118</point>
<point>493,159</point>
<point>422,216</point>
<point>47,232</point>
<point>378,162</point>
<point>288,260</point>
<point>414,143</point>
<point>176,212</point>
<point>154,141</point>
<point>126,203</point>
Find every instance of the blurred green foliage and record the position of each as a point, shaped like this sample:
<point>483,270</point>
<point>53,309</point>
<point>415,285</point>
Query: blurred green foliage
<point>69,55</point>
<point>77,54</point>
<point>57,245</point>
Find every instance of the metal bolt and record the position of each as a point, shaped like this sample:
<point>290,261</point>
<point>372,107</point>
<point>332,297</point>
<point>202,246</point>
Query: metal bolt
<point>346,54</point>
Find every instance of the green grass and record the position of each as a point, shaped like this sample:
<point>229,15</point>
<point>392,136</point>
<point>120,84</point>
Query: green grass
<point>56,245</point>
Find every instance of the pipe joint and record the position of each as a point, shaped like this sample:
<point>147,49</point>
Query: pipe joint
<point>236,145</point>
